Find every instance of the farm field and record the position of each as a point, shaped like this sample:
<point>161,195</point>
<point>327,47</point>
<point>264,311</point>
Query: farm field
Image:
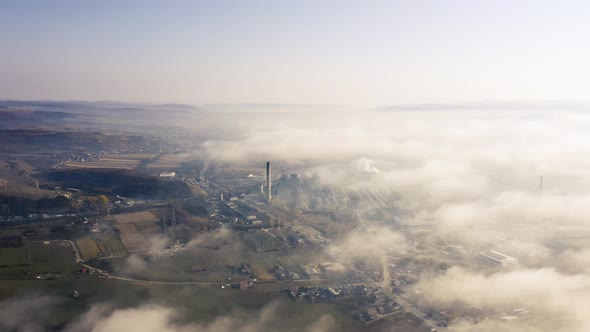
<point>13,256</point>
<point>135,229</point>
<point>51,252</point>
<point>100,245</point>
<point>203,305</point>
<point>114,245</point>
<point>106,163</point>
<point>88,247</point>
<point>217,259</point>
<point>136,217</point>
<point>132,156</point>
<point>19,182</point>
<point>132,238</point>
<point>169,161</point>
<point>117,161</point>
<point>10,272</point>
<point>149,229</point>
<point>42,232</point>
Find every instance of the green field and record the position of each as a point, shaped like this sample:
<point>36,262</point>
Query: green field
<point>51,252</point>
<point>100,245</point>
<point>12,272</point>
<point>13,256</point>
<point>114,245</point>
<point>178,267</point>
<point>149,229</point>
<point>201,305</point>
<point>88,247</point>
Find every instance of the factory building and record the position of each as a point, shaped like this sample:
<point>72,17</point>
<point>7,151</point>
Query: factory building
<point>497,258</point>
<point>169,175</point>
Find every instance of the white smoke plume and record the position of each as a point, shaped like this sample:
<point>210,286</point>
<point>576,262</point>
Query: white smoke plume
<point>366,166</point>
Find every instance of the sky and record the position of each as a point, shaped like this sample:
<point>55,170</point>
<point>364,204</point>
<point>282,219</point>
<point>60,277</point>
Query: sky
<point>349,53</point>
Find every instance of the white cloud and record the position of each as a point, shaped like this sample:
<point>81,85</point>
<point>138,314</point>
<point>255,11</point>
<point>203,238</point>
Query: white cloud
<point>156,318</point>
<point>476,176</point>
<point>557,301</point>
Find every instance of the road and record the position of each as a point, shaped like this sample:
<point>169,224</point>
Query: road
<point>270,287</point>
<point>386,284</point>
<point>75,248</point>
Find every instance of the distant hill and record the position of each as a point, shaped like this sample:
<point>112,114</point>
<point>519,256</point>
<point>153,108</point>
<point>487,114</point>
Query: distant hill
<point>48,141</point>
<point>11,117</point>
<point>105,114</point>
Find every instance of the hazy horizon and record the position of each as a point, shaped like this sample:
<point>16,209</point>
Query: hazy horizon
<point>349,53</point>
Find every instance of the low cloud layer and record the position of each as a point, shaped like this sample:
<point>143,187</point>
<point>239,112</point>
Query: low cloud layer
<point>27,313</point>
<point>464,171</point>
<point>34,313</point>
<point>156,318</point>
<point>475,176</point>
<point>369,243</point>
<point>558,301</point>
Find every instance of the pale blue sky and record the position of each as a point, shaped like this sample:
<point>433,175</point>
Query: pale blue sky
<point>369,53</point>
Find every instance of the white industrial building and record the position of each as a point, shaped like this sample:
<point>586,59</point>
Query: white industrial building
<point>497,258</point>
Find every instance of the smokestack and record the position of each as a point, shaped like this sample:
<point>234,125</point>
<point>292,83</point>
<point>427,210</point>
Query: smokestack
<point>268,182</point>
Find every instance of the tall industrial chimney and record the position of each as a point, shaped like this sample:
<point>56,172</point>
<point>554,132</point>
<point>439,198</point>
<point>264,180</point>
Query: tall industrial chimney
<point>268,183</point>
